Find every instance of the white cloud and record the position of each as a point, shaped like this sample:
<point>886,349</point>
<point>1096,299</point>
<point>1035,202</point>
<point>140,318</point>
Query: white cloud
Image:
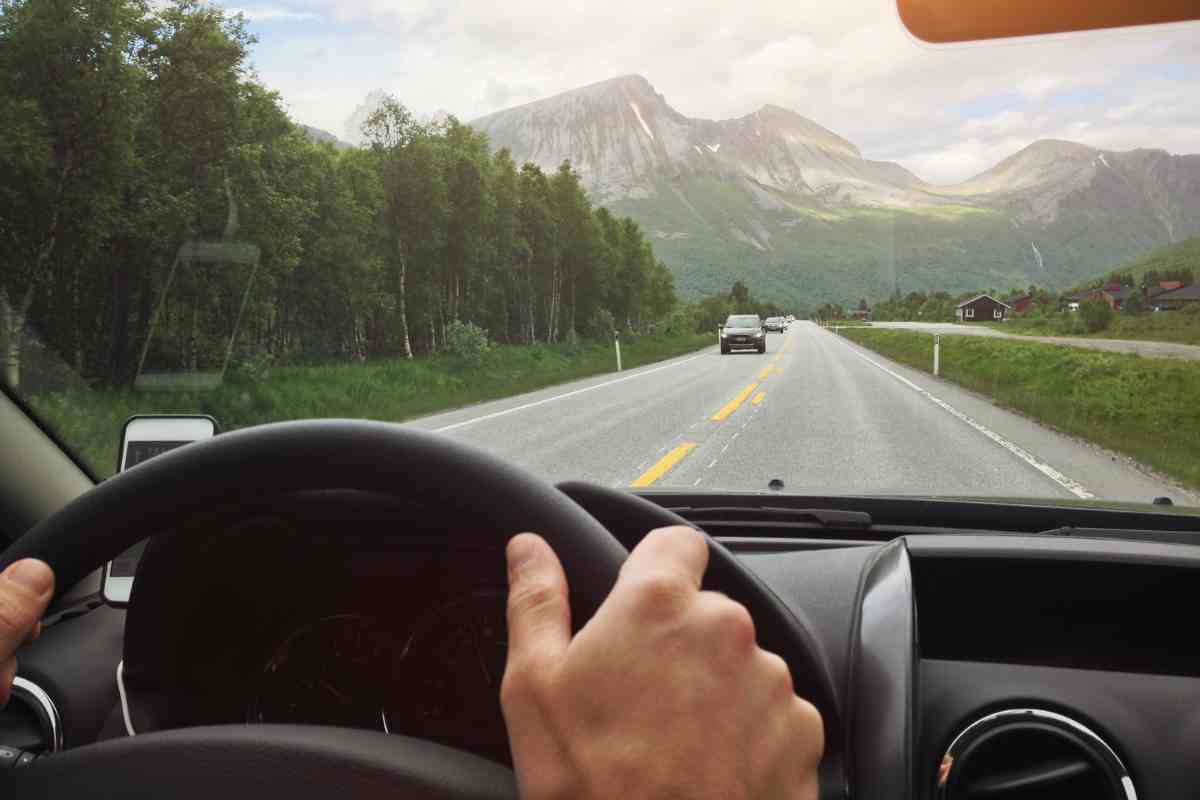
<point>944,112</point>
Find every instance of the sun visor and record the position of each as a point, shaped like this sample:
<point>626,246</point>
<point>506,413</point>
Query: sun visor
<point>944,21</point>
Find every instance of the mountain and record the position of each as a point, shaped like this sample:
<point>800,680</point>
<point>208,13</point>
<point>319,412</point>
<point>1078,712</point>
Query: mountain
<point>318,135</point>
<point>1172,258</point>
<point>358,117</point>
<point>794,209</point>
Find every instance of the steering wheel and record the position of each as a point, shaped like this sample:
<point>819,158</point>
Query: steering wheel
<point>491,499</point>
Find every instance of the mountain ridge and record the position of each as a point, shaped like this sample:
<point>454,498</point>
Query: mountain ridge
<point>795,208</point>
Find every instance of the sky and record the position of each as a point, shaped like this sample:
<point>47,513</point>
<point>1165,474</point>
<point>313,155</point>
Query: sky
<point>946,112</point>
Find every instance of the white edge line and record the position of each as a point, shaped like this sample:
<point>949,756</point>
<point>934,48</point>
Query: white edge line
<point>545,400</point>
<point>1072,486</point>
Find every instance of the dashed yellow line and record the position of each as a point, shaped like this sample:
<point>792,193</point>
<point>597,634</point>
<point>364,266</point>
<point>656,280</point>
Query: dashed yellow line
<point>733,404</point>
<point>664,464</point>
<point>758,398</point>
<point>766,373</point>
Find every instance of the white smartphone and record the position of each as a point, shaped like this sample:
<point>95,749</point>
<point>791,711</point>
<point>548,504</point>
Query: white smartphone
<point>144,437</point>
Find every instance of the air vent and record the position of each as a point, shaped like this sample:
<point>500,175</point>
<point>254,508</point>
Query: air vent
<point>1031,754</point>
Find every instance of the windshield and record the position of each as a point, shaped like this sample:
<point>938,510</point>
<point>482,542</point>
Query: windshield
<point>526,227</point>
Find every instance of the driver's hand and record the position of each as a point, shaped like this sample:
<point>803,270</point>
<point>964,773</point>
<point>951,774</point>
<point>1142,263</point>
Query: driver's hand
<point>25,590</point>
<point>663,693</point>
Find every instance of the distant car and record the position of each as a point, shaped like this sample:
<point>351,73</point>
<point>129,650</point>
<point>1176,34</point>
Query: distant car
<point>790,318</point>
<point>743,332</point>
<point>774,325</point>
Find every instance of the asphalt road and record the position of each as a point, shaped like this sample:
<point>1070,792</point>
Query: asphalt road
<point>816,411</point>
<point>1145,349</point>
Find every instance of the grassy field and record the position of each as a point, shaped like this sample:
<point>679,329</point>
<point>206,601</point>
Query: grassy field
<point>1145,408</point>
<point>90,420</point>
<point>1165,326</point>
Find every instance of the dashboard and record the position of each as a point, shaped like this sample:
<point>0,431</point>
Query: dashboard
<point>437,678</point>
<point>966,662</point>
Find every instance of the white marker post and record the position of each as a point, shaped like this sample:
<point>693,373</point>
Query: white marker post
<point>617,344</point>
<point>937,352</point>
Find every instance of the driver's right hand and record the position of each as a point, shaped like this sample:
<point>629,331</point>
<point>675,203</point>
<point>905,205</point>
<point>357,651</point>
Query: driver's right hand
<point>664,693</point>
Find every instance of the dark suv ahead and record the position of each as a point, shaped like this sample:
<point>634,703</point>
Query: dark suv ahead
<point>743,332</point>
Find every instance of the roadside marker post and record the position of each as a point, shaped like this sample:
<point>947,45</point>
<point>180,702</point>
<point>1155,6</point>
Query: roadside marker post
<point>937,353</point>
<point>617,344</point>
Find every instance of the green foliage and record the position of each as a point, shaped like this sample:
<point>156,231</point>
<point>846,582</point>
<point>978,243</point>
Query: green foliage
<point>1176,262</point>
<point>134,129</point>
<point>1142,407</point>
<point>602,325</point>
<point>1134,304</point>
<point>467,341</point>
<point>1096,315</point>
<point>385,389</point>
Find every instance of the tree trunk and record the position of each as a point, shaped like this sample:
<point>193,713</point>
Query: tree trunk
<point>14,330</point>
<point>119,327</point>
<point>571,322</point>
<point>400,300</point>
<point>194,346</point>
<point>231,215</point>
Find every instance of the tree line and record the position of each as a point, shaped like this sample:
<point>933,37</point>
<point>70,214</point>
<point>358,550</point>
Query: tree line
<point>160,211</point>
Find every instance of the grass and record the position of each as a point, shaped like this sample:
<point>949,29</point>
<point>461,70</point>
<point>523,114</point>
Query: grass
<point>1164,326</point>
<point>1145,408</point>
<point>90,420</point>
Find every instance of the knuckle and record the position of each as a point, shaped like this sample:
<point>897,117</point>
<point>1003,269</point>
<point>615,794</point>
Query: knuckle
<point>810,726</point>
<point>532,596</point>
<point>736,624</point>
<point>16,617</point>
<point>520,683</point>
<point>777,673</point>
<point>660,594</point>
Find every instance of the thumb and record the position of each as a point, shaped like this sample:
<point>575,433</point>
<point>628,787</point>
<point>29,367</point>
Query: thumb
<point>539,616</point>
<point>25,590</point>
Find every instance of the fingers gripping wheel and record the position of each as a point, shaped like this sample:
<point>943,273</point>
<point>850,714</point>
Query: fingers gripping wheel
<point>779,630</point>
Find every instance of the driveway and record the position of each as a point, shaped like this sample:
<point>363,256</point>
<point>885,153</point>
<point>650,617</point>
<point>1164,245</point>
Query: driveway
<point>1190,352</point>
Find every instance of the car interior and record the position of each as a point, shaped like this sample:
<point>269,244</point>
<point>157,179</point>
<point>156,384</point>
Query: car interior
<point>320,608</point>
<point>954,648</point>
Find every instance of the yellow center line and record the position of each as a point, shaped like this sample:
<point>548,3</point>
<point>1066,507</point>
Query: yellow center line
<point>664,464</point>
<point>779,369</point>
<point>758,398</point>
<point>766,373</point>
<point>733,404</point>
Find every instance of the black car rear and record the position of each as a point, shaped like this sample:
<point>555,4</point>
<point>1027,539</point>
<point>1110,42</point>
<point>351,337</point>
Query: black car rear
<point>743,332</point>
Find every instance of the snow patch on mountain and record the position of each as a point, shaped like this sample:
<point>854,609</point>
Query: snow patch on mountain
<point>638,112</point>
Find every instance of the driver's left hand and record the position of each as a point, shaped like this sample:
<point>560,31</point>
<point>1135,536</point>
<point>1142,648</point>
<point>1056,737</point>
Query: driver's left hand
<point>25,590</point>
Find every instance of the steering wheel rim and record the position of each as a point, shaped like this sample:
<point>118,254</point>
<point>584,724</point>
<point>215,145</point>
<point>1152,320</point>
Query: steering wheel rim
<point>247,465</point>
<point>500,499</point>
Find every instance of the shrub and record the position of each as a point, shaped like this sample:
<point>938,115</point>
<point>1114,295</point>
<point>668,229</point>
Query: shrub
<point>1133,304</point>
<point>602,324</point>
<point>1096,315</point>
<point>467,341</point>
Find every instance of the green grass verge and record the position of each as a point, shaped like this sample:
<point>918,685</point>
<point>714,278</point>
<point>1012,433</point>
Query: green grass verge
<point>90,420</point>
<point>1182,327</point>
<point>1143,407</point>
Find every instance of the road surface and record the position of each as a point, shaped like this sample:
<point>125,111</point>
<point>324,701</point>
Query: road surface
<point>816,411</point>
<point>1145,349</point>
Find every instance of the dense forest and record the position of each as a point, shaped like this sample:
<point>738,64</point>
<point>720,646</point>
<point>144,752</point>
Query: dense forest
<point>159,211</point>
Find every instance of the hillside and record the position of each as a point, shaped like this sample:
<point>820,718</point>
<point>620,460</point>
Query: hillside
<point>1182,255</point>
<point>318,135</point>
<point>792,208</point>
